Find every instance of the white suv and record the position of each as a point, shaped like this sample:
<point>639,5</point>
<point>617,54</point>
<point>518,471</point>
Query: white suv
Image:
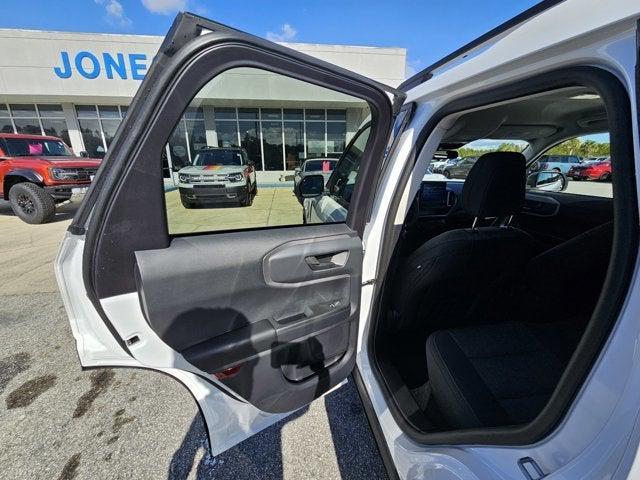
<point>218,175</point>
<point>492,331</point>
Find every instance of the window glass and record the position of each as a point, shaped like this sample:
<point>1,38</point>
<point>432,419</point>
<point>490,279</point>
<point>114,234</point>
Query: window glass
<point>23,110</point>
<point>123,110</point>
<point>272,144</point>
<point>223,113</point>
<point>293,114</point>
<point>336,137</point>
<point>28,125</point>
<point>314,114</point>
<point>56,128</point>
<point>293,143</point>
<point>459,168</point>
<point>92,137</point>
<point>86,111</point>
<point>337,115</point>
<point>230,162</point>
<point>4,111</point>
<point>109,127</point>
<point>227,134</point>
<point>315,139</point>
<point>51,111</point>
<point>346,173</point>
<point>250,140</point>
<point>6,125</point>
<point>271,114</point>
<point>23,147</point>
<point>585,162</point>
<point>248,113</point>
<point>108,111</point>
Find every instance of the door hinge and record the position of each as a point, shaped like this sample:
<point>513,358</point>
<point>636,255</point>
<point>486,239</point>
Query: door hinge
<point>530,469</point>
<point>369,282</point>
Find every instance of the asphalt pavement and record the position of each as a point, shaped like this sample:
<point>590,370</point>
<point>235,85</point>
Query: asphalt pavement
<point>59,422</point>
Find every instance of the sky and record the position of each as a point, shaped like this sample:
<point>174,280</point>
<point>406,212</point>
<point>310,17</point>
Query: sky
<point>428,29</point>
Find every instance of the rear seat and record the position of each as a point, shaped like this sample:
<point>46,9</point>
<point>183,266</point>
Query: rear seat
<point>504,374</point>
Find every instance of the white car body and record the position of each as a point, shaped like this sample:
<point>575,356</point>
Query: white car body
<point>599,435</point>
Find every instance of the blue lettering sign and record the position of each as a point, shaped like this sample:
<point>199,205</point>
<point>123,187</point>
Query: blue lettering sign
<point>88,65</point>
<point>137,69</point>
<point>90,74</point>
<point>110,64</point>
<point>65,70</point>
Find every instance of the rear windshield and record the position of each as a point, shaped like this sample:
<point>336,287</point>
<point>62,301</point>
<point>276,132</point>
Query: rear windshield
<point>319,165</point>
<point>33,147</point>
<point>218,157</point>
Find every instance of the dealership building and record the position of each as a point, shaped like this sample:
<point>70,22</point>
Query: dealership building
<point>78,86</point>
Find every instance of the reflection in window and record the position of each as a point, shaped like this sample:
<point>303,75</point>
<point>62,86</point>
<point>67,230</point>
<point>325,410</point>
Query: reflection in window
<point>227,134</point>
<point>30,126</point>
<point>293,143</point>
<point>92,137</point>
<point>178,147</point>
<point>250,140</point>
<point>56,128</point>
<point>336,135</point>
<point>315,139</point>
<point>272,145</point>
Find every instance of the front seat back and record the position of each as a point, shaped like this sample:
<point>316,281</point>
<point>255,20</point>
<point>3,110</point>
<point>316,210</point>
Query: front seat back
<point>467,276</point>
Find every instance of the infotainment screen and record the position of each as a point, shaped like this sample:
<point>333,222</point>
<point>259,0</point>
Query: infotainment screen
<point>433,197</point>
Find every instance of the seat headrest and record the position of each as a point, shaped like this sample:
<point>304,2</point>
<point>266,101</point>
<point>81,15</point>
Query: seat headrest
<point>495,185</point>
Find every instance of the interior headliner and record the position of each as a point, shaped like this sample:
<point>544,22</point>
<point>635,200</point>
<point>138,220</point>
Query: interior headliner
<point>540,120</point>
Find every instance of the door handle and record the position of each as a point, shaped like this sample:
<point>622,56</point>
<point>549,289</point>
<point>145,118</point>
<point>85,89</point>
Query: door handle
<point>327,260</point>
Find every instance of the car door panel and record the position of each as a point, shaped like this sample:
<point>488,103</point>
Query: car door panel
<point>256,322</point>
<point>555,217</point>
<point>268,308</point>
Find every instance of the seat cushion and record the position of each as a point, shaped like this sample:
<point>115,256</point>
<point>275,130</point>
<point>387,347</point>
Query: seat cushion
<point>495,375</point>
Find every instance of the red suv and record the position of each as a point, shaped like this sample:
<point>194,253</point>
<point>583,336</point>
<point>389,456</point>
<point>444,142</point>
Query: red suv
<point>591,171</point>
<point>36,172</point>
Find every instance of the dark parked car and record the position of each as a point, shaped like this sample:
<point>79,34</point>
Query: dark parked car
<point>459,169</point>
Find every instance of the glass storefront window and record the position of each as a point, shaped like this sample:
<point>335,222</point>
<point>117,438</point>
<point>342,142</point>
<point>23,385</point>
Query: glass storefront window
<point>315,139</point>
<point>108,111</point>
<point>4,111</point>
<point>29,126</point>
<point>194,113</point>
<point>250,140</point>
<point>109,128</point>
<point>225,113</point>
<point>86,111</point>
<point>314,114</point>
<point>227,134</point>
<point>271,113</point>
<point>293,114</point>
<point>51,111</point>
<point>336,138</point>
<point>92,137</point>
<point>272,145</point>
<point>20,110</point>
<point>178,147</point>
<point>248,114</point>
<point>5,125</point>
<point>197,136</point>
<point>56,127</point>
<point>293,144</point>
<point>337,115</point>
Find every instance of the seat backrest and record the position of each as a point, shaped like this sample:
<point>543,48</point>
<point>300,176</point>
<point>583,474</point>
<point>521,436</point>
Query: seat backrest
<point>462,276</point>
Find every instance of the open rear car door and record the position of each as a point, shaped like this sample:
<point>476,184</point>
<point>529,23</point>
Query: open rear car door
<point>256,323</point>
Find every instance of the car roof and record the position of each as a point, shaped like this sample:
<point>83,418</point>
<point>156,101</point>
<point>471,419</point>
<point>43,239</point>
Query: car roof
<point>524,38</point>
<point>28,136</point>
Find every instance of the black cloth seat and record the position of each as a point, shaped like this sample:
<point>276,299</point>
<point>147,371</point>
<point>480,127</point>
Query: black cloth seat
<point>461,274</point>
<point>504,374</point>
<point>494,375</point>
